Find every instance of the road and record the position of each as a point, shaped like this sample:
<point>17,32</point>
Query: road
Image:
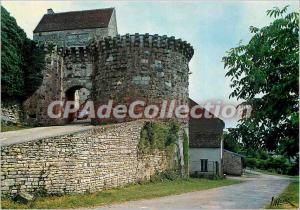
<point>255,192</point>
<point>20,136</point>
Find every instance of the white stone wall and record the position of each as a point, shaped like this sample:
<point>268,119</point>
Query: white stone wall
<point>112,26</point>
<point>211,154</point>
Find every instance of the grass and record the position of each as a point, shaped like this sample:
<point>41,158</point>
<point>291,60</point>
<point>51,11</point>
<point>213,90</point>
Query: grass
<point>289,198</point>
<point>131,192</point>
<point>5,128</point>
<point>275,173</point>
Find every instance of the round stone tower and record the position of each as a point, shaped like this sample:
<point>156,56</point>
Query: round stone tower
<point>144,67</point>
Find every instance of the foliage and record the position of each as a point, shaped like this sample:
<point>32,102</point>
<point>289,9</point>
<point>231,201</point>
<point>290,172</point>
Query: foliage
<point>280,165</point>
<point>168,175</point>
<point>264,73</point>
<point>158,135</point>
<point>131,192</point>
<point>21,60</point>
<point>231,143</point>
<point>186,152</point>
<point>288,199</point>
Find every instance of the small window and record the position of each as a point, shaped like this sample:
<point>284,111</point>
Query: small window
<point>204,163</point>
<point>144,61</point>
<point>32,116</point>
<point>158,65</point>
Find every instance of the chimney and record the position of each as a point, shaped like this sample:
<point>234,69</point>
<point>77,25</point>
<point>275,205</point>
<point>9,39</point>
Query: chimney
<point>50,11</point>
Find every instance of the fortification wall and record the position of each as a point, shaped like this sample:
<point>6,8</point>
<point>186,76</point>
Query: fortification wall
<point>146,67</point>
<point>65,69</point>
<point>11,112</point>
<point>100,158</point>
<point>125,68</point>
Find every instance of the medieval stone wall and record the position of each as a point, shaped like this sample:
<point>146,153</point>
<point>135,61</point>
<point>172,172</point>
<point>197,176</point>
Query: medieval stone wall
<point>65,69</point>
<point>11,112</point>
<point>35,107</point>
<point>145,67</point>
<point>125,68</point>
<point>100,158</point>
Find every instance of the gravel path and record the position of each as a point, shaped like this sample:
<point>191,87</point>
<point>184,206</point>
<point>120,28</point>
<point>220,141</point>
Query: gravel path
<point>254,193</point>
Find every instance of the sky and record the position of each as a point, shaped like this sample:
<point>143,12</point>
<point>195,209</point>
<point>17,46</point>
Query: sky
<point>211,27</point>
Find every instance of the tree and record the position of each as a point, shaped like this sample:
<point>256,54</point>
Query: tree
<point>231,143</point>
<point>264,73</point>
<point>12,41</point>
<point>22,60</point>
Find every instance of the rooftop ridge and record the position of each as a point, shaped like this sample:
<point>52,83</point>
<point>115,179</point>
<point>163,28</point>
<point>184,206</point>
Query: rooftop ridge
<point>78,11</point>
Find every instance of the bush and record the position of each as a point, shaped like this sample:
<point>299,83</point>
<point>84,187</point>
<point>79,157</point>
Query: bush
<point>251,162</point>
<point>158,135</point>
<point>278,165</point>
<point>168,175</point>
<point>293,169</point>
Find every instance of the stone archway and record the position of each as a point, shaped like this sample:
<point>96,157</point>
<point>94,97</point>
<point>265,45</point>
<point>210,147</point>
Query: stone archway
<point>79,94</point>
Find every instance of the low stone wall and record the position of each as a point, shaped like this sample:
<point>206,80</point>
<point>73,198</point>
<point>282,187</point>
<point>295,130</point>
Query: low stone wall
<point>100,158</point>
<point>11,112</point>
<point>232,163</point>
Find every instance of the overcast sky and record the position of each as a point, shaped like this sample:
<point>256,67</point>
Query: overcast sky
<point>211,27</point>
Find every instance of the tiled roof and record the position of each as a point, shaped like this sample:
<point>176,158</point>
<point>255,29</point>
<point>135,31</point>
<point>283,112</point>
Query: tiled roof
<point>205,132</point>
<point>98,18</point>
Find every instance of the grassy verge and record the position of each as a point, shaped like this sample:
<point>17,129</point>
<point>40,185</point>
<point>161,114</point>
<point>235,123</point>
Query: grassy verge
<point>289,198</point>
<point>274,173</point>
<point>132,192</point>
<point>5,128</point>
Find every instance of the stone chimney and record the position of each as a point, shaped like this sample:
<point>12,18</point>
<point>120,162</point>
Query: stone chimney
<point>50,11</point>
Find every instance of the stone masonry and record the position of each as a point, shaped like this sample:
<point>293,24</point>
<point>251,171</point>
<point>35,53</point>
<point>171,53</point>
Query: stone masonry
<point>135,67</point>
<point>88,161</point>
<point>141,66</point>
<point>232,163</point>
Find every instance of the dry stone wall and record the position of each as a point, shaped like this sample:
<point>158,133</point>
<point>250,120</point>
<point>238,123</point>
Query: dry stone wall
<point>11,112</point>
<point>88,161</point>
<point>232,163</point>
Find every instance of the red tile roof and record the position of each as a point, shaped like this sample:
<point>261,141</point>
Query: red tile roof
<point>98,18</point>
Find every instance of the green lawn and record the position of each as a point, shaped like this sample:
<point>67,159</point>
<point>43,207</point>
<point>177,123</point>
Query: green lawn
<point>132,192</point>
<point>289,198</point>
<point>5,128</point>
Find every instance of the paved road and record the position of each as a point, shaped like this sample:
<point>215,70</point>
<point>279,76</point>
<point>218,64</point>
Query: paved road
<point>254,193</point>
<point>14,137</point>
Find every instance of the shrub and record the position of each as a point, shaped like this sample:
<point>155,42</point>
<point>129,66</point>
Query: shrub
<point>251,162</point>
<point>168,175</point>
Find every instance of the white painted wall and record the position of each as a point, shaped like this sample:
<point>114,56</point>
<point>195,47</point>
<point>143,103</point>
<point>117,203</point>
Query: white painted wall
<point>212,154</point>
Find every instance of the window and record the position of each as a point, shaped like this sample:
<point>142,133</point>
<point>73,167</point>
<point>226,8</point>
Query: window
<point>204,165</point>
<point>158,65</point>
<point>141,80</point>
<point>144,61</point>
